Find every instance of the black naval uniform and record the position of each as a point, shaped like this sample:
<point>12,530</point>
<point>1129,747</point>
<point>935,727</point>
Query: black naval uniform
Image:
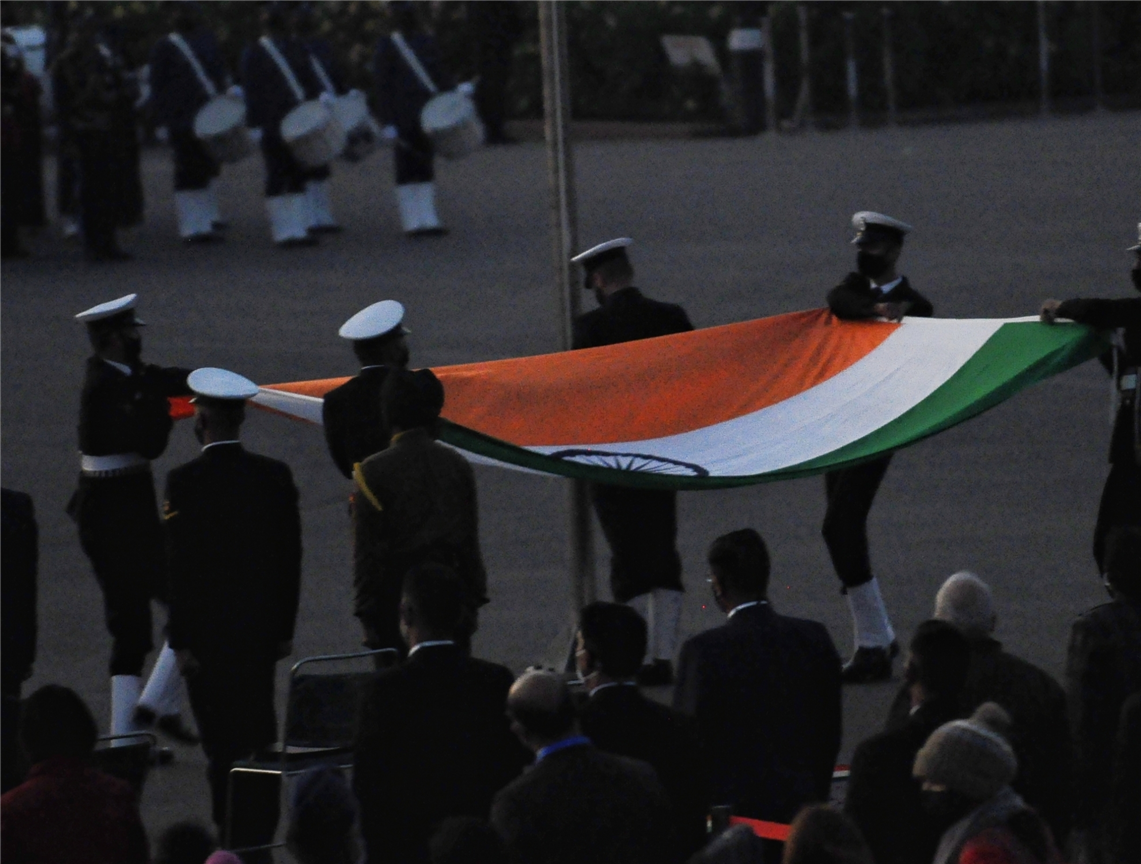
<point>640,524</point>
<point>1121,497</point>
<point>177,96</point>
<point>851,491</point>
<point>268,99</point>
<point>401,96</point>
<point>233,532</point>
<point>353,420</point>
<point>116,510</point>
<point>19,563</point>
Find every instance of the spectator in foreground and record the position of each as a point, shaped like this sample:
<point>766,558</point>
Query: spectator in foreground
<point>322,819</point>
<point>184,843</point>
<point>19,562</point>
<point>434,738</point>
<point>576,804</point>
<point>966,767</point>
<point>1035,702</point>
<point>1103,668</point>
<point>617,718</point>
<point>466,840</point>
<point>823,835</point>
<point>764,689</point>
<point>66,811</point>
<point>884,798</point>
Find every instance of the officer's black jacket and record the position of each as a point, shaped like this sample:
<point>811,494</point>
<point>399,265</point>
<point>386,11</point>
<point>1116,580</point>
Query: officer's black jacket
<point>20,551</point>
<point>127,413</point>
<point>1110,315</point>
<point>625,316</point>
<point>176,92</point>
<point>353,421</point>
<point>234,545</point>
<point>855,299</point>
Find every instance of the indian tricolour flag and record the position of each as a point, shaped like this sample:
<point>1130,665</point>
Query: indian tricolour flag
<point>762,400</point>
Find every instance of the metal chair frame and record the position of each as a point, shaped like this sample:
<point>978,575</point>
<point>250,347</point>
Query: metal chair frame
<point>288,752</point>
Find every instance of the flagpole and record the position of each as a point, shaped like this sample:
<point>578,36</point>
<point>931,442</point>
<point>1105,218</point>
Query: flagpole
<point>564,235</point>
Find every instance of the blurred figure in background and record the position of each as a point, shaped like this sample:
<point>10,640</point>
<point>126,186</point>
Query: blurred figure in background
<point>22,189</point>
<point>823,835</point>
<point>496,26</point>
<point>328,75</point>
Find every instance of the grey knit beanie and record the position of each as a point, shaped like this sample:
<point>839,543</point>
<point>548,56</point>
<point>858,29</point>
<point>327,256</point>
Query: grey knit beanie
<point>970,756</point>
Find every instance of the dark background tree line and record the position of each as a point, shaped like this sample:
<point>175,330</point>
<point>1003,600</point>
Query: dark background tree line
<point>947,56</point>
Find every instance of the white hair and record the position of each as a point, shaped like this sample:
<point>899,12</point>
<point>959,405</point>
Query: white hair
<point>965,601</point>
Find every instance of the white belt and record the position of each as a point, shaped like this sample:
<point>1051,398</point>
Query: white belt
<point>112,466</point>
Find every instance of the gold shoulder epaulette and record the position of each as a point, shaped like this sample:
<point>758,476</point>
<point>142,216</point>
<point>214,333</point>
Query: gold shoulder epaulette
<point>358,477</point>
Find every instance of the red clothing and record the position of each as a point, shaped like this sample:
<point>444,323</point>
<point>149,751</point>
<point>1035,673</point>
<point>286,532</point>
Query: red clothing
<point>999,845</point>
<point>67,812</point>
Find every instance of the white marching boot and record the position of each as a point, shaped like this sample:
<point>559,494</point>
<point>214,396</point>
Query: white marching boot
<point>288,220</point>
<point>216,220</point>
<point>320,208</point>
<point>162,695</point>
<point>125,691</point>
<point>869,616</point>
<point>193,209</point>
<point>665,614</point>
<point>417,204</point>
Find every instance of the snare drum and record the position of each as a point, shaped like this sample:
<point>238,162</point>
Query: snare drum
<point>451,122</point>
<point>362,132</point>
<point>220,125</point>
<point>313,134</point>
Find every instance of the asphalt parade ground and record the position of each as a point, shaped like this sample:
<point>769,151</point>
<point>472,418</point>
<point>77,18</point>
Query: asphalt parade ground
<point>1005,215</point>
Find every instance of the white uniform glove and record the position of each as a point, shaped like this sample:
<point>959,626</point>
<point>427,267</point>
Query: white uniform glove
<point>467,88</point>
<point>389,133</point>
<point>255,134</point>
<point>236,91</point>
<point>327,99</point>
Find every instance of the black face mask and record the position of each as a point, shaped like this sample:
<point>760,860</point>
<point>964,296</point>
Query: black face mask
<point>870,265</point>
<point>946,806</point>
<point>1136,274</point>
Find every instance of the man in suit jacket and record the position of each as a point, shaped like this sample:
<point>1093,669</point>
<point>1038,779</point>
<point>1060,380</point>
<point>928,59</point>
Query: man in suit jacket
<point>1103,669</point>
<point>414,502</point>
<point>1036,703</point>
<point>883,797</point>
<point>234,538</point>
<point>576,803</point>
<point>640,524</point>
<point>874,291</point>
<point>434,740</point>
<point>19,553</point>
<point>351,414</point>
<point>764,689</point>
<point>617,718</point>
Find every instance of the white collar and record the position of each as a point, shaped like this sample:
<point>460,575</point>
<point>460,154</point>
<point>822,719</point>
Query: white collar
<point>431,643</point>
<point>613,684</point>
<point>887,286</point>
<point>737,609</point>
<point>122,367</point>
<point>216,443</point>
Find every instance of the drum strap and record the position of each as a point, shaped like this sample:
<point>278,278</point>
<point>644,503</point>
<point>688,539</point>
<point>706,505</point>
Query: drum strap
<point>283,67</point>
<point>191,58</point>
<point>414,62</point>
<point>319,70</point>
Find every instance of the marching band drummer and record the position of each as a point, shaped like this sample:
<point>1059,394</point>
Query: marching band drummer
<point>269,97</point>
<point>321,219</point>
<point>186,72</point>
<point>403,60</point>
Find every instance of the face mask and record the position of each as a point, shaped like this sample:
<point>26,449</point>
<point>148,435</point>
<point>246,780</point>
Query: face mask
<point>872,266</point>
<point>945,805</point>
<point>1136,274</point>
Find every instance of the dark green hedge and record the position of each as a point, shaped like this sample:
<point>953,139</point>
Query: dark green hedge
<point>947,55</point>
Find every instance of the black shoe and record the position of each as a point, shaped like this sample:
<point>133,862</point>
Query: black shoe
<point>115,254</point>
<point>438,231</point>
<point>299,242</point>
<point>220,225</point>
<point>660,673</point>
<point>326,229</point>
<point>171,725</point>
<point>205,237</point>
<point>869,665</point>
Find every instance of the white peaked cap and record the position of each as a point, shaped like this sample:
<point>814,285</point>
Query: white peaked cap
<point>109,309</point>
<point>602,248</point>
<point>373,321</point>
<point>213,383</point>
<point>870,219</point>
